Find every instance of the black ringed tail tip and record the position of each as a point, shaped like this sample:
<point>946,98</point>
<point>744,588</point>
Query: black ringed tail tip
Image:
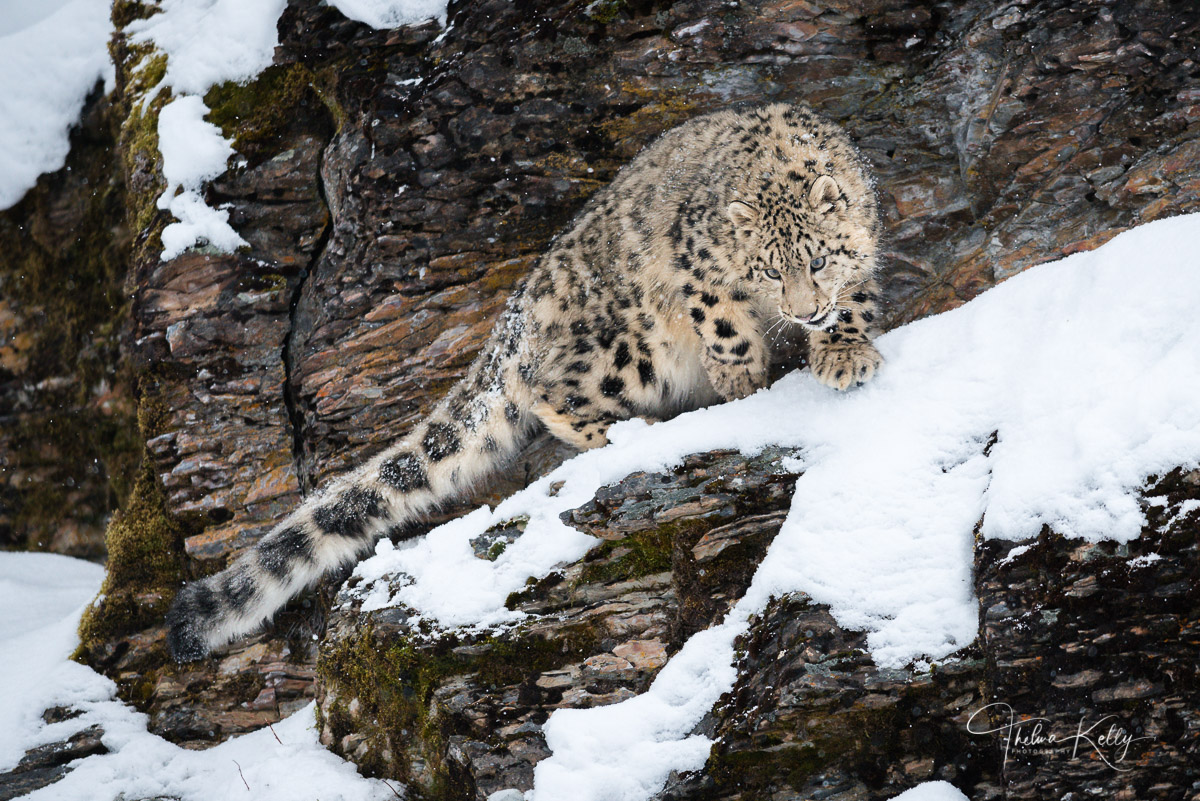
<point>184,640</point>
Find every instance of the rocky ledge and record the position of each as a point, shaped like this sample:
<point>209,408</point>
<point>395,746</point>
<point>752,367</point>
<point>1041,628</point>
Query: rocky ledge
<point>456,715</point>
<point>1090,642</point>
<point>1088,639</point>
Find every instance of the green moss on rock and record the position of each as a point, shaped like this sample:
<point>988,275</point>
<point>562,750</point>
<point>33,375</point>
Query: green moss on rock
<point>126,11</point>
<point>392,691</point>
<point>144,544</point>
<point>143,165</point>
<point>604,11</point>
<point>393,688</point>
<point>260,111</point>
<point>512,661</point>
<point>642,553</point>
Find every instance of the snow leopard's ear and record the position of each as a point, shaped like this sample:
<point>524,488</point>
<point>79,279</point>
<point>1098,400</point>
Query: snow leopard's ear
<point>743,214</point>
<point>825,195</point>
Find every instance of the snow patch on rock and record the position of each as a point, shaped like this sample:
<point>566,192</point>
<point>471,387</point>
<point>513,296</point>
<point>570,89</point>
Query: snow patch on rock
<point>54,54</point>
<point>208,42</point>
<point>386,14</point>
<point>193,151</point>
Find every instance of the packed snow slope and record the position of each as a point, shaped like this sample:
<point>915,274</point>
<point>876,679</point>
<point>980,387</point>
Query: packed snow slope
<point>1046,401</point>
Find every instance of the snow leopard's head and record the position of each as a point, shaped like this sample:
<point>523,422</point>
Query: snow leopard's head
<point>808,215</point>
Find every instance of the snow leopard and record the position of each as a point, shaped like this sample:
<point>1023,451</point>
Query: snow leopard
<point>657,298</point>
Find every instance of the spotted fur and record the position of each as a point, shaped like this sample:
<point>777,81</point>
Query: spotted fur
<point>656,299</point>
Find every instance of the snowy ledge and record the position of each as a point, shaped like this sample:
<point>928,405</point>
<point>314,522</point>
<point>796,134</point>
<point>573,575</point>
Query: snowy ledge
<point>55,52</point>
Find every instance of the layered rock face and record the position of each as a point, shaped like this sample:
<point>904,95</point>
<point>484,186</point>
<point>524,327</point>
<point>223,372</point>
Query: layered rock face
<point>394,186</point>
<point>1080,683</point>
<point>459,715</point>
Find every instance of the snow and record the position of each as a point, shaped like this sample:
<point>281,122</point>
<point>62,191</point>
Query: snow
<point>256,765</point>
<point>1144,561</point>
<point>54,53</point>
<point>619,752</point>
<point>932,791</point>
<point>383,14</point>
<point>193,151</point>
<point>208,42</point>
<point>42,597</point>
<point>17,15</point>
<point>1186,508</point>
<point>1012,555</point>
<point>1083,369</point>
<point>57,50</point>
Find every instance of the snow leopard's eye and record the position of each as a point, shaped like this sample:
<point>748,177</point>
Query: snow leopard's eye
<point>772,273</point>
<point>817,263</point>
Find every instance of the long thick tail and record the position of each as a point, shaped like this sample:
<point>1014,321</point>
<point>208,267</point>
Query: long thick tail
<point>476,429</point>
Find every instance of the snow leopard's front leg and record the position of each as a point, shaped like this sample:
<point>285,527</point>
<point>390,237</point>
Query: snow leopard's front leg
<point>734,352</point>
<point>841,355</point>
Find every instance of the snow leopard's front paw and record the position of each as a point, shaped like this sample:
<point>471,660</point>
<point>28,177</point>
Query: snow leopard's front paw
<point>734,382</point>
<point>845,365</point>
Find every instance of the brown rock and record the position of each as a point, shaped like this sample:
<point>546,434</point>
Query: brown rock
<point>643,654</point>
<point>596,634</point>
